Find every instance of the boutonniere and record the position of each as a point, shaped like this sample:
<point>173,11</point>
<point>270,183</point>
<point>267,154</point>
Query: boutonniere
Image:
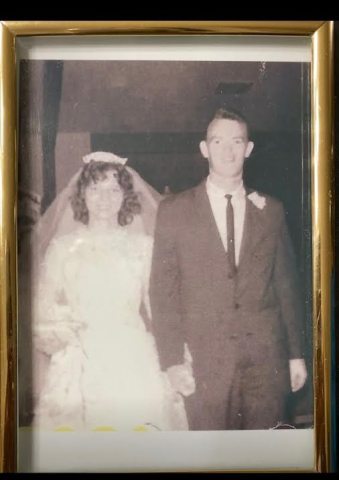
<point>257,200</point>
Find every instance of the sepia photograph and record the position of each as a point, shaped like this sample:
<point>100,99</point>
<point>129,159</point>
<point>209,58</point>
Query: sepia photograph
<point>166,254</point>
<point>164,245</point>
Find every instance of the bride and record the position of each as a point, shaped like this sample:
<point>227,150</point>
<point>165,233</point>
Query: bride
<point>91,310</point>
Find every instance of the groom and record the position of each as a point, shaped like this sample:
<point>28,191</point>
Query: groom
<point>224,282</point>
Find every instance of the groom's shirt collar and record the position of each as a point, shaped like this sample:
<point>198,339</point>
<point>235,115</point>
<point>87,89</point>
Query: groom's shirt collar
<point>216,191</point>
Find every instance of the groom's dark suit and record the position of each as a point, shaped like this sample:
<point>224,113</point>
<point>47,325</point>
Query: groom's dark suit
<point>240,330</point>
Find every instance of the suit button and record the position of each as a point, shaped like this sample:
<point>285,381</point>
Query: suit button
<point>230,276</point>
<point>236,306</point>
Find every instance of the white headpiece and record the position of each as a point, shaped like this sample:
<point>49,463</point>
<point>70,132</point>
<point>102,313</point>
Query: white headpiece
<point>104,157</point>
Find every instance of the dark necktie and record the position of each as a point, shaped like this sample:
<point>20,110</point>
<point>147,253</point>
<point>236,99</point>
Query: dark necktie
<point>230,235</point>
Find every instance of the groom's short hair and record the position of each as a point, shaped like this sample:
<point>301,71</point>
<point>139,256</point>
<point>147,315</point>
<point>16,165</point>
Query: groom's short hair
<point>230,114</point>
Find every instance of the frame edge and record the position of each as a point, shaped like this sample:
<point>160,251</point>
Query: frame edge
<point>8,249</point>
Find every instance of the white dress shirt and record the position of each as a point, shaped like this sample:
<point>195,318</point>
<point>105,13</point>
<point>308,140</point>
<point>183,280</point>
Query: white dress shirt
<point>218,203</point>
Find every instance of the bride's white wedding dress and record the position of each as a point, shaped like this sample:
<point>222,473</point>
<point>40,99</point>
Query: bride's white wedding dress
<point>104,371</point>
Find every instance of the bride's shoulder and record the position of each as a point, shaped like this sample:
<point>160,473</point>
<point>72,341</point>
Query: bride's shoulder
<point>65,243</point>
<point>142,238</point>
<point>140,241</point>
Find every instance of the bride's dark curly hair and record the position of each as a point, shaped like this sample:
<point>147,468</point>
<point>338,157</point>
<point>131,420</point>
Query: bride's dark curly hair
<point>94,172</point>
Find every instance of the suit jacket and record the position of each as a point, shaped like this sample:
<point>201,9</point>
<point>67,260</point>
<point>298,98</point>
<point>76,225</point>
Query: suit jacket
<point>194,298</point>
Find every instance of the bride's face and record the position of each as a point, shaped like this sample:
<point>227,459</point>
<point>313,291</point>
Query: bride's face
<point>104,198</point>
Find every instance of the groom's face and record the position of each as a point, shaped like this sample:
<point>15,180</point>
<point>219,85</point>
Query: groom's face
<point>226,147</point>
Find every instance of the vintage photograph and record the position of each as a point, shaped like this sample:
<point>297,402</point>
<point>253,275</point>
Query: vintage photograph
<point>164,246</point>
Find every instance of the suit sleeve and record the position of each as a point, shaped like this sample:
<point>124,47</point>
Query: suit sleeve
<point>165,290</point>
<point>288,291</point>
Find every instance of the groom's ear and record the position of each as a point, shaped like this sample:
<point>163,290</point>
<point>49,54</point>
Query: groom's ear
<point>203,149</point>
<point>249,148</point>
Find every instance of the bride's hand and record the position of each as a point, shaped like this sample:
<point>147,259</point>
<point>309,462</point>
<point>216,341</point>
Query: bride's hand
<point>51,338</point>
<point>181,379</point>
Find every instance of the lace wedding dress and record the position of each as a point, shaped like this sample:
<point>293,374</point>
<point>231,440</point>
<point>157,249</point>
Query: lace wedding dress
<point>104,371</point>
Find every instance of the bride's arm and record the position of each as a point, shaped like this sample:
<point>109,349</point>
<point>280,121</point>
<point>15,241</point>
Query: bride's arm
<point>52,315</point>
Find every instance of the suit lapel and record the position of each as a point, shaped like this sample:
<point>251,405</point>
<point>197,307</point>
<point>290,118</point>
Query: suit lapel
<point>252,232</point>
<point>247,235</point>
<point>206,221</point>
<point>254,227</point>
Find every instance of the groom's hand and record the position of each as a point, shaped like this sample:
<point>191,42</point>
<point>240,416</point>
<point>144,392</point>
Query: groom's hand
<point>181,379</point>
<point>298,373</point>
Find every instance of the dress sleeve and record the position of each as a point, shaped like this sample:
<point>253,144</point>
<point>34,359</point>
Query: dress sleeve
<point>52,315</point>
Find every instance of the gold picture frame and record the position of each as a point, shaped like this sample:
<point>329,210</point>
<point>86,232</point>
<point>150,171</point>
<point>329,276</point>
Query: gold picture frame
<point>322,98</point>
